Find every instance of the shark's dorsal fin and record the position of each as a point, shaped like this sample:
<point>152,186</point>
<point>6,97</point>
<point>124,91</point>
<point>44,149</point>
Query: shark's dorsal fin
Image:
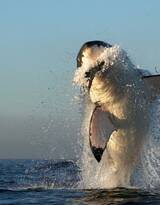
<point>153,81</point>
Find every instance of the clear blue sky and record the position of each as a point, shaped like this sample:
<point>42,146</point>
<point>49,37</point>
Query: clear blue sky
<point>39,40</point>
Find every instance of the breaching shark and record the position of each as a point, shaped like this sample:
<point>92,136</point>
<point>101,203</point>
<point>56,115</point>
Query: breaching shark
<point>121,95</point>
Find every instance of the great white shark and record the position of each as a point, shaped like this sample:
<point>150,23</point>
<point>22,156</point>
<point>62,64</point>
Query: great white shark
<point>121,96</point>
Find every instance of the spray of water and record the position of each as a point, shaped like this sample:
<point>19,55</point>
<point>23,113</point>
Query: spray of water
<point>150,158</point>
<point>147,172</point>
<point>94,174</point>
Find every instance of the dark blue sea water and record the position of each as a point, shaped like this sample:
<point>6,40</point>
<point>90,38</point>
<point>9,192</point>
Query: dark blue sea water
<point>57,182</point>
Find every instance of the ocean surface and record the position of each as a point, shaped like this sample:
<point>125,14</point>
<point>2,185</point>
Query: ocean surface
<point>58,182</point>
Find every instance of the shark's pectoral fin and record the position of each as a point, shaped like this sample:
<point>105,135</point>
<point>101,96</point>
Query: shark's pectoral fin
<point>100,129</point>
<point>154,82</point>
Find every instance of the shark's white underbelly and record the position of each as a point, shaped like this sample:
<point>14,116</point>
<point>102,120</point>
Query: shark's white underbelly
<point>125,143</point>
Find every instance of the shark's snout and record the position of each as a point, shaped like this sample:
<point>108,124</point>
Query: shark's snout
<point>91,49</point>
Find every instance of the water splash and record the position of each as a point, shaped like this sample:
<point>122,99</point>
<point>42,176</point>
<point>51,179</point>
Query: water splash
<point>151,154</point>
<point>100,175</point>
<point>147,172</point>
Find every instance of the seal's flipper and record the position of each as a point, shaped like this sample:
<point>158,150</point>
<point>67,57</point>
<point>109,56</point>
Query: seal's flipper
<point>100,129</point>
<point>154,82</point>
